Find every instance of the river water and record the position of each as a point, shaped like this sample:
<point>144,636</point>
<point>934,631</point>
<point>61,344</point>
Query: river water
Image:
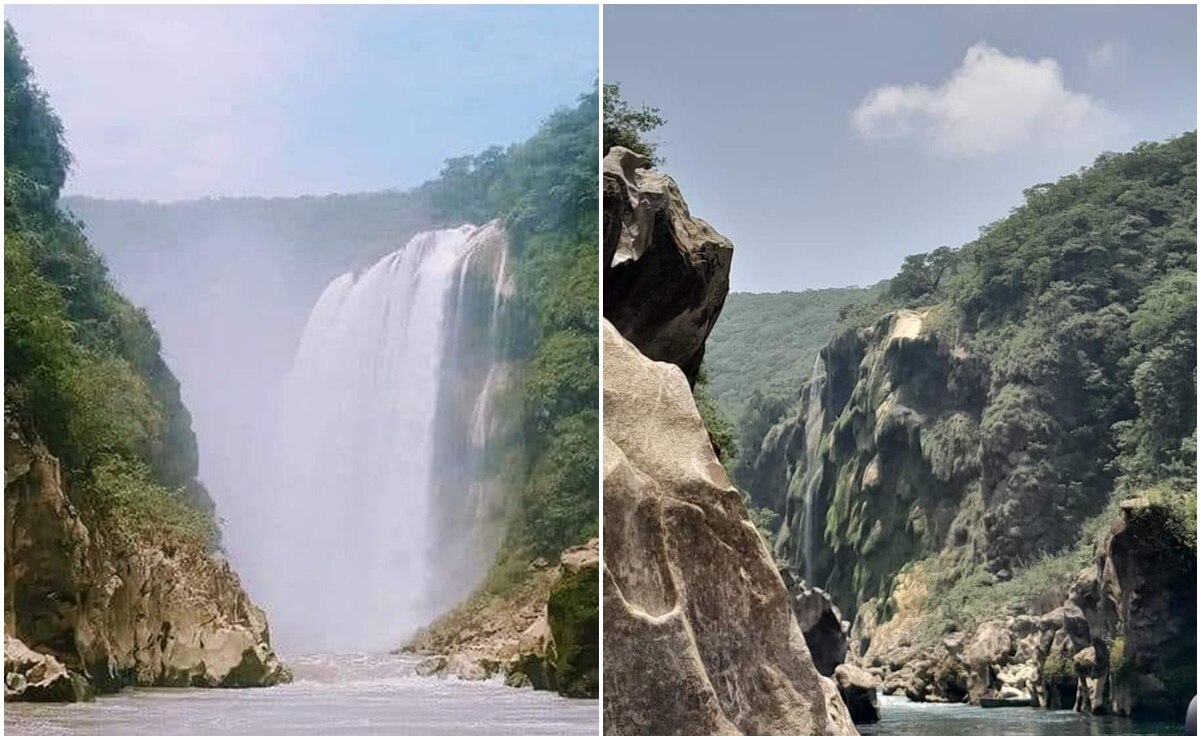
<point>332,695</point>
<point>899,716</point>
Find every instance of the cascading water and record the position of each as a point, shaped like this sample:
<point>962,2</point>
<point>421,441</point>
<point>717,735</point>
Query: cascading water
<point>375,519</point>
<point>814,422</point>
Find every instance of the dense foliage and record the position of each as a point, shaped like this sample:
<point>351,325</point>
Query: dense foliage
<point>82,365</point>
<point>1060,378</point>
<point>1086,297</point>
<point>545,190</point>
<point>767,343</point>
<point>627,126</point>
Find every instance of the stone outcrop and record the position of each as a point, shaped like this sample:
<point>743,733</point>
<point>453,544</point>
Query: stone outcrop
<point>543,635</point>
<point>857,688</point>
<point>666,273</point>
<point>33,676</point>
<point>117,612</point>
<point>826,632</point>
<point>573,616</point>
<point>1124,642</point>
<point>699,632</point>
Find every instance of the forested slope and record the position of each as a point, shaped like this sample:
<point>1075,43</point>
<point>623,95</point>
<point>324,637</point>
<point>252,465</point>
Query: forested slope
<point>970,434</point>
<point>107,528</point>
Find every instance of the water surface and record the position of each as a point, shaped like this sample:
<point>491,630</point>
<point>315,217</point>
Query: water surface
<point>899,716</point>
<point>332,695</point>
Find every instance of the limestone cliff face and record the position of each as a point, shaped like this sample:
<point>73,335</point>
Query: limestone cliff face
<point>162,613</point>
<point>666,273</point>
<point>541,635</point>
<point>699,631</point>
<point>902,468</point>
<point>882,467</point>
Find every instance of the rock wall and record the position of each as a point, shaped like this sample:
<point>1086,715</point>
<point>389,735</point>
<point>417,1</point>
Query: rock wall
<point>699,631</point>
<point>162,613</point>
<point>898,455</point>
<point>880,466</point>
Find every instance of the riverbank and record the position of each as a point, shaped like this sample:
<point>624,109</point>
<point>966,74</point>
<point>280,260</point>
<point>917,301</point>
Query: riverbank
<point>331,695</point>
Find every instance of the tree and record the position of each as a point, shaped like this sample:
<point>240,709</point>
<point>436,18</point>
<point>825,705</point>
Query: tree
<point>626,126</point>
<point>921,275</point>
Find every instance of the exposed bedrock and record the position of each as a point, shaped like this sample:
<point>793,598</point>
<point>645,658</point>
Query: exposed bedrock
<point>161,613</point>
<point>666,273</point>
<point>542,636</point>
<point>699,632</point>
<point>1122,642</point>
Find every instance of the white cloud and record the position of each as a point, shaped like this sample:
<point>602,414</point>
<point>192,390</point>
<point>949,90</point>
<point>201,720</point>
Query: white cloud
<point>992,103</point>
<point>1102,56</point>
<point>169,101</point>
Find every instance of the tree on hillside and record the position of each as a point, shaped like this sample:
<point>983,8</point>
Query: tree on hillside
<point>34,154</point>
<point>627,126</point>
<point>922,274</point>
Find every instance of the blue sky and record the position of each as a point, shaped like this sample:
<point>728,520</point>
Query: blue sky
<point>170,102</point>
<point>828,143</point>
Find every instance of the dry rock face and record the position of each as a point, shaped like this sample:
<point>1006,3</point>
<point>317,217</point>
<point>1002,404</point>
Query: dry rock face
<point>162,614</point>
<point>699,632</point>
<point>666,273</point>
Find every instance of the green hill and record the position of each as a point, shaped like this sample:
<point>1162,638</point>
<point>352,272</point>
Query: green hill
<point>767,342</point>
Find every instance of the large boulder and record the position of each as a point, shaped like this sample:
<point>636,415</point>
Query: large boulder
<point>33,676</point>
<point>826,633</point>
<point>699,632</point>
<point>153,610</point>
<point>666,273</point>
<point>858,690</point>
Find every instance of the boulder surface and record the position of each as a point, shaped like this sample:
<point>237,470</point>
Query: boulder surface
<point>699,632</point>
<point>666,273</point>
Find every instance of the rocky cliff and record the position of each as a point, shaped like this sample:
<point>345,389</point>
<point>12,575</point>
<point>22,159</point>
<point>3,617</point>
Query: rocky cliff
<point>542,635</point>
<point>86,611</point>
<point>699,631</point>
<point>976,473</point>
<point>665,272</point>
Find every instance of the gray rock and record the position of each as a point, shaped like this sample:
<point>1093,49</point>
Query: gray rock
<point>699,634</point>
<point>666,273</point>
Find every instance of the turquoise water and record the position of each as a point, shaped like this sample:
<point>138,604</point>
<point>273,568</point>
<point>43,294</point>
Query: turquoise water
<point>899,716</point>
<point>332,695</point>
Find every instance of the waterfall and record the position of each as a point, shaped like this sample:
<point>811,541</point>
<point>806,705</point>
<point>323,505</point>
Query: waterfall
<point>375,518</point>
<point>814,421</point>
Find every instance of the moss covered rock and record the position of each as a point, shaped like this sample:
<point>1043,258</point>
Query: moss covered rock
<point>573,612</point>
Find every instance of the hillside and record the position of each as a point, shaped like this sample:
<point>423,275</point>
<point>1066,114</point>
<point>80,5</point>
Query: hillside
<point>767,342</point>
<point>1010,430</point>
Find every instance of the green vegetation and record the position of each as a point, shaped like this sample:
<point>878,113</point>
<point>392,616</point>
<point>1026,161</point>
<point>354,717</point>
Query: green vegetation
<point>1082,304</point>
<point>627,126</point>
<point>545,190</point>
<point>767,343</point>
<point>574,617</point>
<point>82,366</point>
